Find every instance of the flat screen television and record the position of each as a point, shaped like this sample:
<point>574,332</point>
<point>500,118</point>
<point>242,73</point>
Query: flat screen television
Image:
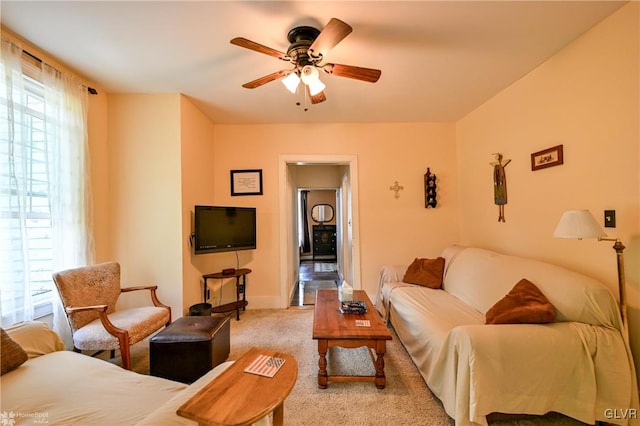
<point>219,229</point>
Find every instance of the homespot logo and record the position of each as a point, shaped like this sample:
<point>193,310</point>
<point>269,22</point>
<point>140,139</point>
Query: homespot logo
<point>10,418</point>
<point>621,413</point>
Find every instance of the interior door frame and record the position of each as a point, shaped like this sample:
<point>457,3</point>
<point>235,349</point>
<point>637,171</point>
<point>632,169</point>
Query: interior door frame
<point>289,258</point>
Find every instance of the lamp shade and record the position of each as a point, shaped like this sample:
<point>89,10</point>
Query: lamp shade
<point>316,87</point>
<point>578,224</point>
<point>311,78</point>
<point>291,82</point>
<point>309,74</point>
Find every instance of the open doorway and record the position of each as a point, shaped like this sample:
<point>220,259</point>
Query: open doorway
<point>298,172</point>
<point>318,221</point>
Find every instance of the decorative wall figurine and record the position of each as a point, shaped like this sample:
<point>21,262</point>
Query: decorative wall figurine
<point>500,184</point>
<point>430,189</point>
<point>396,188</point>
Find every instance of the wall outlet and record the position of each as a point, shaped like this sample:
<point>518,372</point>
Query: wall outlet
<point>609,218</point>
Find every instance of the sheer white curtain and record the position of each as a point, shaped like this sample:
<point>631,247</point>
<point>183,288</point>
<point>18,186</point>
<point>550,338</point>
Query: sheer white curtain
<point>15,291</point>
<point>66,112</point>
<point>66,171</point>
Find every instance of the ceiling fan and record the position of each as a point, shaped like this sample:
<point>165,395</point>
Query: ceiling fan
<point>306,53</point>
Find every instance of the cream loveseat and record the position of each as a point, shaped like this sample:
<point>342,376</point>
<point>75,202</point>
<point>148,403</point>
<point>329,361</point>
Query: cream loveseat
<point>58,387</point>
<point>579,365</point>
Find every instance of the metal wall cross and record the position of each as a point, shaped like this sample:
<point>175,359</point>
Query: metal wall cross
<point>396,188</point>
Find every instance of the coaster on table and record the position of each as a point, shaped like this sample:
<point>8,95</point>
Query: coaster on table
<point>265,365</point>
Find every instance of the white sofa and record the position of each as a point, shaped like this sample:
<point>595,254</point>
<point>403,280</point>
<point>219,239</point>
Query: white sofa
<point>59,387</point>
<point>579,365</point>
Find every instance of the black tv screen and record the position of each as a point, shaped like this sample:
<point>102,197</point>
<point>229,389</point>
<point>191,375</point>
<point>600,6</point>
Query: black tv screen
<point>220,229</point>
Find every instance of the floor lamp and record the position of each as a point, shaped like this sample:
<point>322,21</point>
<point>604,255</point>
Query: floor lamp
<point>581,224</point>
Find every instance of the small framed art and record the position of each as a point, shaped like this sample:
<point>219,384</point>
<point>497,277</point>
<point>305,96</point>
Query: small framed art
<point>246,182</point>
<point>547,158</point>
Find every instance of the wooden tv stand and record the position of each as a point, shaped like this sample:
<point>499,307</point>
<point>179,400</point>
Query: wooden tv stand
<point>241,288</point>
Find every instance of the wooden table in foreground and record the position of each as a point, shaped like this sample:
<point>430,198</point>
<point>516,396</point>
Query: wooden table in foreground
<point>239,398</point>
<point>333,328</point>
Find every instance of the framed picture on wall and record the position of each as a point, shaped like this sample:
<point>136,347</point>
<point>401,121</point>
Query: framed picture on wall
<point>547,158</point>
<point>246,182</point>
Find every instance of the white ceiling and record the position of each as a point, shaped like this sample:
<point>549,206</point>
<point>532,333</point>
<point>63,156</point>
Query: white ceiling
<point>439,59</point>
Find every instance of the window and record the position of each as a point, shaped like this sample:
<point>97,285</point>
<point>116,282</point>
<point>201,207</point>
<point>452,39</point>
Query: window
<point>42,177</point>
<point>25,159</point>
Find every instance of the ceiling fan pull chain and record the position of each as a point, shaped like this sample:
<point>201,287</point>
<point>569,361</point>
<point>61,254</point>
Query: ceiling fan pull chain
<point>306,97</point>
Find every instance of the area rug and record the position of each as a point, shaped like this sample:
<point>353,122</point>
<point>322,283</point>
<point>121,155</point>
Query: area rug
<point>406,400</point>
<point>325,267</point>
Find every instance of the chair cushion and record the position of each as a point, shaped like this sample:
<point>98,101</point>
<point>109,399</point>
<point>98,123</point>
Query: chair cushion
<point>140,322</point>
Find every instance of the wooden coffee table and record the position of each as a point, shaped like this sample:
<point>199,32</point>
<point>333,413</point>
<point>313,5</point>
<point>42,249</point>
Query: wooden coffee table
<point>332,328</point>
<point>239,398</point>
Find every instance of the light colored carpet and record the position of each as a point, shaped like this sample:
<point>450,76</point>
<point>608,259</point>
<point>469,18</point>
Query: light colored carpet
<point>405,401</point>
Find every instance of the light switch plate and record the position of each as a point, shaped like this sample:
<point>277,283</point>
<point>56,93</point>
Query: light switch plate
<point>609,218</point>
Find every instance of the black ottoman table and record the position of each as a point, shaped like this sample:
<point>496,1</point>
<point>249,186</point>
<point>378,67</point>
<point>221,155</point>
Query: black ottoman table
<point>189,347</point>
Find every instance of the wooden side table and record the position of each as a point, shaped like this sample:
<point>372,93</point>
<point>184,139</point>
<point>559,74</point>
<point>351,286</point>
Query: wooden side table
<point>239,398</point>
<point>241,288</point>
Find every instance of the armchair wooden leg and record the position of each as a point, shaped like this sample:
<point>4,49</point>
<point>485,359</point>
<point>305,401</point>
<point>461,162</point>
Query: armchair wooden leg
<point>125,351</point>
<point>126,357</point>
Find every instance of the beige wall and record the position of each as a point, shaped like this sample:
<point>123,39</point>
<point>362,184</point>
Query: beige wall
<point>586,98</point>
<point>196,135</point>
<point>144,185</point>
<point>392,230</point>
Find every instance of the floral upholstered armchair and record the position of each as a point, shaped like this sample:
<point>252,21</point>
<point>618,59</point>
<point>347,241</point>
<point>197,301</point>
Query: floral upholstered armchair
<point>89,295</point>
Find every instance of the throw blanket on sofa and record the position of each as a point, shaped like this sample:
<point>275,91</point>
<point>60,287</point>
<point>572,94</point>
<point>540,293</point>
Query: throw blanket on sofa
<point>579,366</point>
<point>58,387</point>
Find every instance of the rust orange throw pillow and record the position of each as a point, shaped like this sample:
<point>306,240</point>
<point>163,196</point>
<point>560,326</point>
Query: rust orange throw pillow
<point>425,272</point>
<point>13,356</point>
<point>524,304</point>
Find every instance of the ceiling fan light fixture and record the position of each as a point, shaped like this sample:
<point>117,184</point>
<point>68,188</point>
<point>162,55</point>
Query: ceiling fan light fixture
<point>316,87</point>
<point>291,82</point>
<point>309,74</point>
<point>311,78</point>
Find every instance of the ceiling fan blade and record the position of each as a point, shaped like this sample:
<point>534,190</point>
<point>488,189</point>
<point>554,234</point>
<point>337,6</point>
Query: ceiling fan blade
<point>266,79</point>
<point>252,45</point>
<point>332,34</point>
<point>317,98</point>
<point>365,74</point>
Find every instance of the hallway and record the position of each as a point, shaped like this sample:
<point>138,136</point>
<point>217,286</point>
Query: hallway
<point>314,275</point>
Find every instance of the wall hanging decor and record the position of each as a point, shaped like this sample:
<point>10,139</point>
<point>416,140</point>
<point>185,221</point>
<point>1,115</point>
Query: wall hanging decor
<point>499,184</point>
<point>430,189</point>
<point>396,188</point>
<point>246,182</point>
<point>547,158</point>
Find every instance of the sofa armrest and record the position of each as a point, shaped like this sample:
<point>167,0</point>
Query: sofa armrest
<point>36,338</point>
<point>392,273</point>
<point>388,274</point>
